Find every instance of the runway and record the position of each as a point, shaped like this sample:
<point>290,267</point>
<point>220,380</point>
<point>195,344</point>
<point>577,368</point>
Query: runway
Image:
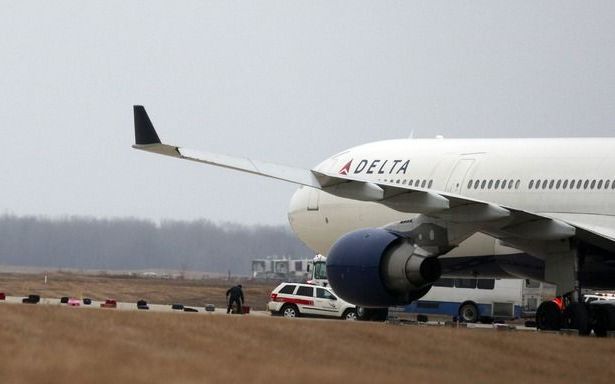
<point>127,306</point>
<point>132,306</point>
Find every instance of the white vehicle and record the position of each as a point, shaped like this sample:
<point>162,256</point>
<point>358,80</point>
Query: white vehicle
<point>293,300</point>
<point>396,215</point>
<point>589,298</point>
<point>318,271</point>
<point>471,300</point>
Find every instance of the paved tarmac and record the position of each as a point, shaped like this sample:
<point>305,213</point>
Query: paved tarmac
<point>124,306</point>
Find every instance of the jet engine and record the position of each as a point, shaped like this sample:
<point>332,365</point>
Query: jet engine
<point>377,267</point>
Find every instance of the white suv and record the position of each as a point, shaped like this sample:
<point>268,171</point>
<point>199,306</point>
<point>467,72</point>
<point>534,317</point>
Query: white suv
<point>293,300</point>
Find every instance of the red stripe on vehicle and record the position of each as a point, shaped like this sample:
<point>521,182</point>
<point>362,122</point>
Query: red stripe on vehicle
<point>294,301</point>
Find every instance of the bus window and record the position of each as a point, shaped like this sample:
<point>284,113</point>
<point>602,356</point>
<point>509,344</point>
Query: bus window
<point>465,283</point>
<point>485,284</point>
<point>444,283</point>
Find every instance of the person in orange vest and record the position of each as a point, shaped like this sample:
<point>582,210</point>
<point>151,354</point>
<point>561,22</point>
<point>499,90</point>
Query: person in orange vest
<point>559,301</point>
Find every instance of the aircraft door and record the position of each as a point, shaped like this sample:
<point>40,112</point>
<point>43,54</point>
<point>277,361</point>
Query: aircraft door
<point>313,199</point>
<point>457,177</point>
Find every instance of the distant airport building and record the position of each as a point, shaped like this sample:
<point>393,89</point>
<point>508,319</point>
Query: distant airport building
<point>281,269</point>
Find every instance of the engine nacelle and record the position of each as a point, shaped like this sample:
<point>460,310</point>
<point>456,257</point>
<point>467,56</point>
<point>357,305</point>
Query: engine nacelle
<point>375,267</point>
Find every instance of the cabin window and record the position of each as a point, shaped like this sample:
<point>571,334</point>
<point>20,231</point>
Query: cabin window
<point>470,184</point>
<point>593,184</point>
<point>599,184</point>
<point>423,183</point>
<point>565,184</point>
<point>510,184</point>
<point>490,184</point>
<point>430,184</point>
<point>551,184</point>
<point>531,184</point>
<point>482,184</point>
<point>476,184</point>
<point>606,184</point>
<point>517,183</point>
<point>497,184</point>
<point>558,184</point>
<point>585,184</point>
<point>579,182</point>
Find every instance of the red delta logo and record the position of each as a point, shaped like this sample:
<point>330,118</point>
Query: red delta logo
<point>376,166</point>
<point>346,168</point>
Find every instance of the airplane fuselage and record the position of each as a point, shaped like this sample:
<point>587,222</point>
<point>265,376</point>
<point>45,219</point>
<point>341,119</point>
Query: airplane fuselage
<point>572,179</point>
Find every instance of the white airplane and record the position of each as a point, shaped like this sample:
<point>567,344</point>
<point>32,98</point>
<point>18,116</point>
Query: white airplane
<point>393,216</point>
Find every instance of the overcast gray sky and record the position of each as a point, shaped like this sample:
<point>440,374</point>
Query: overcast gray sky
<point>286,81</point>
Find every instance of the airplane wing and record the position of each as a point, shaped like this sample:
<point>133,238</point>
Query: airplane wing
<point>509,224</point>
<point>146,139</point>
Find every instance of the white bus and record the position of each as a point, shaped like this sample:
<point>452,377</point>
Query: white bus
<point>471,300</point>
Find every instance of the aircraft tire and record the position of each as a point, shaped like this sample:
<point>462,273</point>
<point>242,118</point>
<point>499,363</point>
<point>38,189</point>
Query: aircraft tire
<point>576,316</point>
<point>548,317</point>
<point>599,321</point>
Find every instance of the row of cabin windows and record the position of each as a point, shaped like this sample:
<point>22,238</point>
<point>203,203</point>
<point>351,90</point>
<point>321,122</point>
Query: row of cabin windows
<point>571,184</point>
<point>494,184</point>
<point>510,184</point>
<point>412,183</point>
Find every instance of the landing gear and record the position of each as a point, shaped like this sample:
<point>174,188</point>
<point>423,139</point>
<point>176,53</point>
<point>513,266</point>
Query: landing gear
<point>372,314</point>
<point>598,316</point>
<point>565,265</point>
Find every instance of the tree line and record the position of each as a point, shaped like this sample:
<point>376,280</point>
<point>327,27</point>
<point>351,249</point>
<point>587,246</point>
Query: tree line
<point>127,243</point>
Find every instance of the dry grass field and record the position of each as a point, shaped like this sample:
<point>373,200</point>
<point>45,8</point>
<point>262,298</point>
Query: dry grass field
<point>122,288</point>
<point>53,344</point>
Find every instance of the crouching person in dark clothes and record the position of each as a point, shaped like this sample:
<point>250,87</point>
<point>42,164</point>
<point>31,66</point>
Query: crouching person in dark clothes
<point>235,295</point>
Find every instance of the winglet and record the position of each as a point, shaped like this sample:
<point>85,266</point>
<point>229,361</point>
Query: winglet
<point>144,129</point>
